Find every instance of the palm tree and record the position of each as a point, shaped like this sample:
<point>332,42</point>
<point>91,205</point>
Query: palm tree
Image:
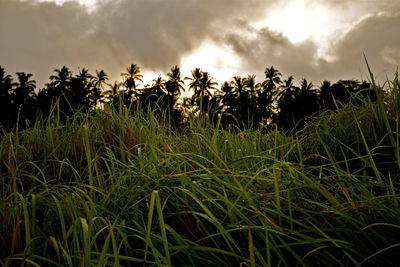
<point>239,84</point>
<point>272,78</point>
<point>194,83</point>
<point>24,97</point>
<point>245,105</point>
<point>99,81</point>
<point>159,85</point>
<point>175,83</point>
<point>201,84</point>
<point>112,91</point>
<point>306,86</point>
<point>79,93</point>
<point>61,80</point>
<point>251,101</point>
<point>131,76</point>
<point>6,98</point>
<point>288,92</point>
<point>325,94</point>
<point>308,99</point>
<point>267,97</point>
<point>288,83</point>
<point>296,104</point>
<point>25,88</point>
<point>84,75</point>
<point>227,88</point>
<point>207,84</point>
<point>228,97</point>
<point>61,84</point>
<point>6,83</point>
<point>111,94</point>
<point>251,85</point>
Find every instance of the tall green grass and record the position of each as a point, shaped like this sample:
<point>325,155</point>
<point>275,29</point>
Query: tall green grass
<point>111,189</point>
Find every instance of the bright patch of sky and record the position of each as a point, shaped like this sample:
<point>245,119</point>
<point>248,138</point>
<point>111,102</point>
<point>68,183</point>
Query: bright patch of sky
<point>89,4</point>
<point>324,23</point>
<point>219,61</point>
<point>300,21</point>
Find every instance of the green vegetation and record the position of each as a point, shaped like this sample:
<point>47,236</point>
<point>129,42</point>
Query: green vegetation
<point>112,187</point>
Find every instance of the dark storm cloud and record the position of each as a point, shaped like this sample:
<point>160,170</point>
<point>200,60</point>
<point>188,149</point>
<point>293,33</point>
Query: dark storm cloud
<point>376,36</point>
<point>156,34</point>
<point>263,48</point>
<point>38,37</point>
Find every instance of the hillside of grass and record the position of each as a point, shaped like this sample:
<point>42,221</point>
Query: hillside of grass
<point>113,188</point>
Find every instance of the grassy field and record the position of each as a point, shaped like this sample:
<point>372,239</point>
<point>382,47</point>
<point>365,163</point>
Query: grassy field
<point>113,189</point>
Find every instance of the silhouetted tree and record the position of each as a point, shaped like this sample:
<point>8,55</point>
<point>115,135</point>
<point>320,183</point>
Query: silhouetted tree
<point>58,86</point>
<point>206,84</point>
<point>99,81</point>
<point>272,78</point>
<point>131,76</point>
<point>6,98</point>
<point>111,97</point>
<point>201,83</point>
<point>296,104</point>
<point>154,96</point>
<point>251,101</point>
<point>227,103</point>
<point>194,83</point>
<point>238,84</point>
<point>251,84</point>
<point>77,94</point>
<point>174,88</point>
<point>228,98</point>
<point>195,86</point>
<point>24,97</point>
<point>267,96</point>
<point>158,86</point>
<point>111,92</point>
<point>334,95</point>
<point>25,88</point>
<point>241,102</point>
<point>174,85</point>
<point>60,81</point>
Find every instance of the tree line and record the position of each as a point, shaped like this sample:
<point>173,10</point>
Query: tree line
<point>241,102</point>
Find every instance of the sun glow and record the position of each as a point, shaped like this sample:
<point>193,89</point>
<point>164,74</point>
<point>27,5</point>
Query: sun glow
<point>299,21</point>
<point>90,4</point>
<point>221,62</point>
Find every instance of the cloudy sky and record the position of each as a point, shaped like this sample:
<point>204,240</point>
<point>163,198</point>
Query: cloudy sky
<point>316,39</point>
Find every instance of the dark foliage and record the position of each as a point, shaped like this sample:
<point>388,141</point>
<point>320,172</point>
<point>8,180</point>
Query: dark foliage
<point>241,103</point>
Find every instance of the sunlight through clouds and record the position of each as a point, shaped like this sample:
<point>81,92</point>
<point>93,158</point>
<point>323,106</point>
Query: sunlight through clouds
<point>300,21</point>
<point>89,4</point>
<point>320,39</point>
<point>82,2</point>
<point>220,62</point>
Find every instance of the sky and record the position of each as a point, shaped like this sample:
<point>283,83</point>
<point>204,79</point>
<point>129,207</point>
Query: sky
<point>313,39</point>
